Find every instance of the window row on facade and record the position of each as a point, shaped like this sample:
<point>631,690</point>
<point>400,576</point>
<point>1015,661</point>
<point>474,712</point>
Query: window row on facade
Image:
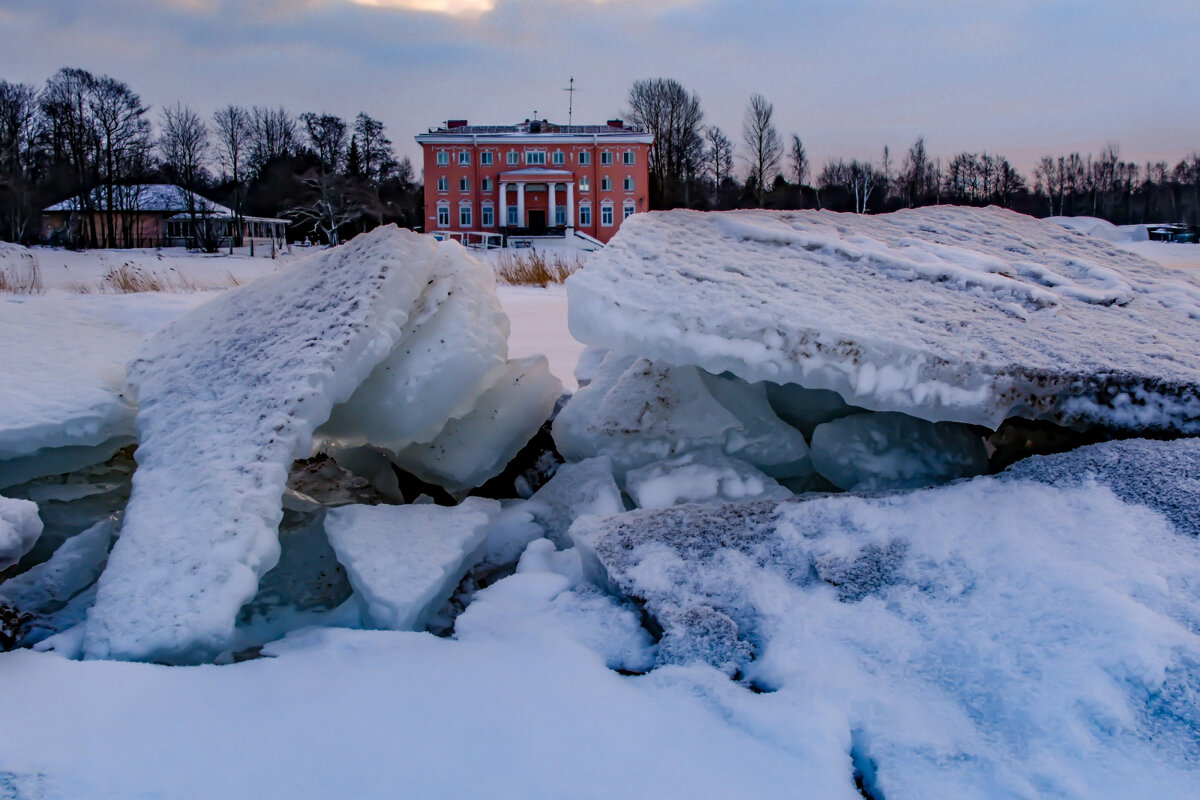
<point>487,184</point>
<point>535,158</point>
<point>487,215</point>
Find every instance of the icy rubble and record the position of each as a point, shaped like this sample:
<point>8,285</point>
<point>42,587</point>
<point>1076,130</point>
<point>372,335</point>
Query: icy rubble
<point>20,527</point>
<point>404,561</point>
<point>946,634</point>
<point>586,487</point>
<point>230,394</point>
<point>948,314</point>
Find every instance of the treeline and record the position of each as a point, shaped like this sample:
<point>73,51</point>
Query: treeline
<point>90,140</point>
<point>693,165</point>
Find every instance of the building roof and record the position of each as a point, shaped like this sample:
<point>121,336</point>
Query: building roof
<point>455,130</point>
<point>146,197</point>
<point>535,126</point>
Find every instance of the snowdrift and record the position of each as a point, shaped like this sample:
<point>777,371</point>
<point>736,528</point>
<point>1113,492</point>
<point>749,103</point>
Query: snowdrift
<point>947,314</point>
<point>949,634</point>
<point>231,393</point>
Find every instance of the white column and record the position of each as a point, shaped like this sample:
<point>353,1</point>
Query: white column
<point>553,187</point>
<point>503,221</point>
<point>570,207</point>
<point>520,204</point>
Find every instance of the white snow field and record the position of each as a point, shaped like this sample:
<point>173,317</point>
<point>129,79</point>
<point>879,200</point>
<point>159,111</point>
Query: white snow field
<point>228,396</point>
<point>995,638</point>
<point>948,314</point>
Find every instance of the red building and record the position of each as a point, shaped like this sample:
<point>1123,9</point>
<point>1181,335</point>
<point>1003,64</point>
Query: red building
<point>536,178</point>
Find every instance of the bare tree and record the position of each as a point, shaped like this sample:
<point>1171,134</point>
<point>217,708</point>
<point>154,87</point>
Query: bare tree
<point>327,137</point>
<point>918,178</point>
<point>274,137</point>
<point>762,143</point>
<point>18,153</point>
<point>376,157</point>
<point>799,161</point>
<point>123,147</point>
<point>718,158</point>
<point>665,109</point>
<point>185,153</point>
<point>234,137</point>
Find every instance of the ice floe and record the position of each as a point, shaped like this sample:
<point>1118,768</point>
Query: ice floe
<point>948,314</point>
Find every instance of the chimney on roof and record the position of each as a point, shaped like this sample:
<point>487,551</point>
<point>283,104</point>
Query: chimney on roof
<point>616,123</point>
<point>456,123</point>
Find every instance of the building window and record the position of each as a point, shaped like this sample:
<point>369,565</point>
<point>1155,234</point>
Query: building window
<point>606,215</point>
<point>585,216</point>
<point>443,183</point>
<point>485,158</point>
<point>560,215</point>
<point>512,216</point>
<point>585,185</point>
<point>464,216</point>
<point>627,211</point>
<point>585,158</point>
<point>443,216</point>
<point>464,158</point>
<point>627,157</point>
<point>605,158</point>
<point>487,217</point>
<point>443,158</point>
<point>485,184</point>
<point>559,158</point>
<point>535,157</point>
<point>628,183</point>
<point>464,184</point>
<point>606,184</point>
<point>513,158</point>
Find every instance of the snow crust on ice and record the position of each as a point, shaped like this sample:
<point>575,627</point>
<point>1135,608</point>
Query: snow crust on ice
<point>990,638</point>
<point>405,561</point>
<point>228,396</point>
<point>1163,476</point>
<point>73,567</point>
<point>586,487</point>
<point>64,404</point>
<point>949,314</point>
<point>637,411</point>
<point>700,476</point>
<point>886,450</point>
<point>20,527</point>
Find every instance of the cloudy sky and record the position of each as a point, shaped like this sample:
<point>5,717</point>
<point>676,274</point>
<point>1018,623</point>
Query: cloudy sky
<point>1019,77</point>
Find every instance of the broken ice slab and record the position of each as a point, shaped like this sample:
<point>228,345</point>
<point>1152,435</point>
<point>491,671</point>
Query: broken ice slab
<point>472,448</point>
<point>885,450</point>
<point>637,411</point>
<point>20,527</point>
<point>405,561</point>
<point>227,397</point>
<point>963,627</point>
<point>948,314</point>
<point>701,476</point>
<point>586,487</point>
<point>64,404</point>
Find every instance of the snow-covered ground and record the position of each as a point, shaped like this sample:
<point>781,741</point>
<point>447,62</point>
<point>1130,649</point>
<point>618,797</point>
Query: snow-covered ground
<point>1027,635</point>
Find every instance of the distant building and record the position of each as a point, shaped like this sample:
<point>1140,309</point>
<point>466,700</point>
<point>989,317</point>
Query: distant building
<point>154,215</point>
<point>535,178</point>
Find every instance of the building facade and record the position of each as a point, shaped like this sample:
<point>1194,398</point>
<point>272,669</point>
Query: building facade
<point>535,178</point>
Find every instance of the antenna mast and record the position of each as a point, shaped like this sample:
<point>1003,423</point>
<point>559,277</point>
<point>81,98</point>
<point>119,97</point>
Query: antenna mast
<point>571,103</point>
